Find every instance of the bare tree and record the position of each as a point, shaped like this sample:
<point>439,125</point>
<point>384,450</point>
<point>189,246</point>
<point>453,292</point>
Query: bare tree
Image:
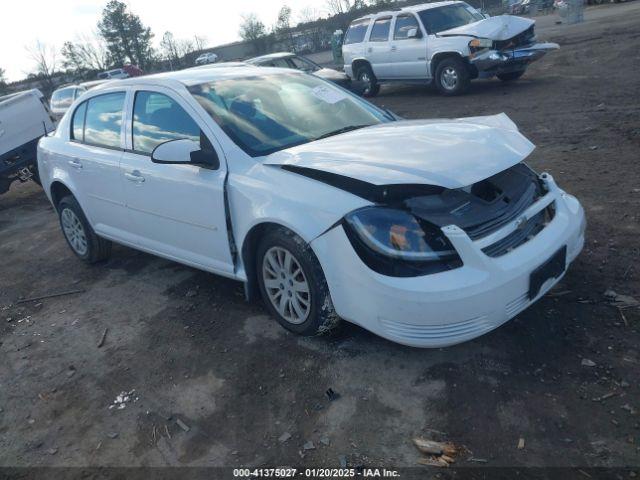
<point>308,15</point>
<point>200,42</point>
<point>85,53</point>
<point>45,58</point>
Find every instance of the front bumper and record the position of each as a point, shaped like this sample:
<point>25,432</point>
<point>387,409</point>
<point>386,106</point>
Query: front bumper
<point>455,306</point>
<point>492,62</point>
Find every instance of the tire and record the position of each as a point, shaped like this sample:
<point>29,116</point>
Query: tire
<point>365,76</point>
<point>79,235</point>
<point>511,76</point>
<point>318,316</point>
<point>452,76</point>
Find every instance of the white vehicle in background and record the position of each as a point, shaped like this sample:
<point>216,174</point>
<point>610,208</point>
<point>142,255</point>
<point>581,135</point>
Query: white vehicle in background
<point>24,118</point>
<point>63,97</point>
<point>206,58</point>
<point>426,232</point>
<point>448,43</point>
<point>112,74</point>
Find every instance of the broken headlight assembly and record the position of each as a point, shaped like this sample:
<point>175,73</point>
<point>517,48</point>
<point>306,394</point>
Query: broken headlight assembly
<point>395,243</point>
<point>477,45</point>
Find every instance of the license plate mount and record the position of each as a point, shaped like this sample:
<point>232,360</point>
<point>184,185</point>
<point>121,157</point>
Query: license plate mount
<point>552,268</point>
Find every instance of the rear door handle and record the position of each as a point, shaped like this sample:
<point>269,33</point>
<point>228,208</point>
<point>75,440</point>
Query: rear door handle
<point>75,163</point>
<point>134,176</point>
<point>393,48</point>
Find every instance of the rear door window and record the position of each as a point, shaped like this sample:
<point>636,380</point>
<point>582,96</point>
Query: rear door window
<point>404,23</point>
<point>103,121</point>
<point>158,118</point>
<point>380,30</point>
<point>356,31</point>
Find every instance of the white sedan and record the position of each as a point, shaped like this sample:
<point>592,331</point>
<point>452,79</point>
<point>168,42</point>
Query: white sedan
<point>427,232</point>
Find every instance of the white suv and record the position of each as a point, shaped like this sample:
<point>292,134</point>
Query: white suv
<point>428,233</point>
<point>448,43</point>
<point>207,58</point>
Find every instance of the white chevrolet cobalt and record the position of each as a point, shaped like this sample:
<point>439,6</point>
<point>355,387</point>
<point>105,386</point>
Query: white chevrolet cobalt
<point>427,232</point>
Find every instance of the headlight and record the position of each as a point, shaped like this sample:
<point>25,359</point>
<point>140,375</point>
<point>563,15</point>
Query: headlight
<point>479,43</point>
<point>393,242</point>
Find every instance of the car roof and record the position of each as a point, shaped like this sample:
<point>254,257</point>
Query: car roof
<point>412,8</point>
<point>271,56</point>
<point>194,76</point>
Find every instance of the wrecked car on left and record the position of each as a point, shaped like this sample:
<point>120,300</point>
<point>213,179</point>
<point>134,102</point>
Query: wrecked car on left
<point>427,232</point>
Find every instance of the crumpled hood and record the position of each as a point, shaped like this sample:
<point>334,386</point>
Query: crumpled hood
<point>450,153</point>
<point>502,27</point>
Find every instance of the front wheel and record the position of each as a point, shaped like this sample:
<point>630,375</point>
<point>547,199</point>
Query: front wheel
<point>511,76</point>
<point>293,285</point>
<point>452,76</point>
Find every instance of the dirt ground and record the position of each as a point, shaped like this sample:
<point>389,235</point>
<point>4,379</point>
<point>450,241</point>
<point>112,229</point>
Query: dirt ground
<point>194,351</point>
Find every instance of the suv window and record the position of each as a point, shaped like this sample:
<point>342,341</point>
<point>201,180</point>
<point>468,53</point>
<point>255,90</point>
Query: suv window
<point>404,23</point>
<point>380,30</point>
<point>355,32</point>
<point>158,118</point>
<point>77,123</point>
<point>103,120</point>
<point>62,98</point>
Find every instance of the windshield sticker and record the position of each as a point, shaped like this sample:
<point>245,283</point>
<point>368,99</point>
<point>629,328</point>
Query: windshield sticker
<point>328,95</point>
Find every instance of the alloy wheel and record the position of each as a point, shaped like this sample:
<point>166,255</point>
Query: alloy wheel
<point>74,231</point>
<point>449,78</point>
<point>286,285</point>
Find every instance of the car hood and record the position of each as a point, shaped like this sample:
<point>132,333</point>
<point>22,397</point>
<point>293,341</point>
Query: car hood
<point>449,153</point>
<point>502,27</point>
<point>330,74</point>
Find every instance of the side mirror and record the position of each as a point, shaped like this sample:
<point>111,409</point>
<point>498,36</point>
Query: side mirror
<point>185,151</point>
<point>414,33</point>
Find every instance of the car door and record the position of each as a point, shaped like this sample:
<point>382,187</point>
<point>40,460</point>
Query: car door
<point>177,211</point>
<point>378,48</point>
<point>93,161</point>
<point>408,54</point>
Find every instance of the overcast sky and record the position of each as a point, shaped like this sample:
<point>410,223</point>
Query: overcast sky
<point>53,22</point>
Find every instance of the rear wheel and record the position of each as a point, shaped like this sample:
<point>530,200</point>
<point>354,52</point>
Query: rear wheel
<point>293,285</point>
<point>370,84</point>
<point>78,233</point>
<point>452,76</point>
<point>511,76</point>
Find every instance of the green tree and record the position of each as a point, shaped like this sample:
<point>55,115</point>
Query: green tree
<point>252,30</point>
<point>126,38</point>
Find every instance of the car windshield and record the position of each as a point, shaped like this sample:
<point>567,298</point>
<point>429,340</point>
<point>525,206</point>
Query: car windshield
<point>265,113</point>
<point>450,16</point>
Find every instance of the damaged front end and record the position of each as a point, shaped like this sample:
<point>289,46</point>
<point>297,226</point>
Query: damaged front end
<point>511,52</point>
<point>407,237</point>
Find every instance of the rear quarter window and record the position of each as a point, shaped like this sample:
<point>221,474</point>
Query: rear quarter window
<point>356,31</point>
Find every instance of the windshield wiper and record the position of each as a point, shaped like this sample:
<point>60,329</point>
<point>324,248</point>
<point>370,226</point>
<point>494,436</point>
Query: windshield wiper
<point>346,129</point>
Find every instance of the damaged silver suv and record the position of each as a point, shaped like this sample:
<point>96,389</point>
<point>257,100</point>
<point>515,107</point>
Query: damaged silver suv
<point>447,43</point>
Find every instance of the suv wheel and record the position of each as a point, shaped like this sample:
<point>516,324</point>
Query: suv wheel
<point>79,235</point>
<point>452,76</point>
<point>293,285</point>
<point>370,84</point>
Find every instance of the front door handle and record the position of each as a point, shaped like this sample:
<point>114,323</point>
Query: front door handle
<point>75,163</point>
<point>134,176</point>
<point>393,48</point>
